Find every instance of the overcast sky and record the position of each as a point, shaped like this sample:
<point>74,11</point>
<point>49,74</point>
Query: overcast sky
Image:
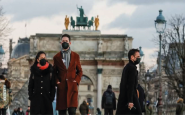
<point>132,17</point>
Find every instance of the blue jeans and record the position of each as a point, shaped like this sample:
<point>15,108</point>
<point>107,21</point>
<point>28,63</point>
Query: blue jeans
<point>55,112</point>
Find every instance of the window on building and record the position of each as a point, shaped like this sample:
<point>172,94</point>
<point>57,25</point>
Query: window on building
<point>89,87</point>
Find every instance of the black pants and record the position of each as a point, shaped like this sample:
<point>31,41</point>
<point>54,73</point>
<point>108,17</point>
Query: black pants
<point>2,111</point>
<point>108,111</point>
<point>71,111</point>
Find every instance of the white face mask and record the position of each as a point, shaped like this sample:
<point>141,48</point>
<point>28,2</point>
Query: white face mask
<point>2,81</point>
<point>20,110</point>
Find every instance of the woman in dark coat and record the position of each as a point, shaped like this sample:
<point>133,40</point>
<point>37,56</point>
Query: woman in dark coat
<point>41,88</point>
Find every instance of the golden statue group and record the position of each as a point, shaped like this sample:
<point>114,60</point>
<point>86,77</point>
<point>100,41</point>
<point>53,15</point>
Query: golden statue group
<point>81,21</point>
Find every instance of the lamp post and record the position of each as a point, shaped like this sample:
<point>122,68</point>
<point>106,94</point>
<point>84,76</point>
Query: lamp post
<point>1,54</point>
<point>141,52</point>
<point>147,78</point>
<point>160,25</point>
<point>141,55</point>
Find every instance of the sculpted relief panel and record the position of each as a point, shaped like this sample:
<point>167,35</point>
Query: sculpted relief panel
<point>109,72</point>
<point>91,73</point>
<point>113,45</point>
<point>114,81</point>
<point>112,77</point>
<point>85,45</point>
<point>49,44</point>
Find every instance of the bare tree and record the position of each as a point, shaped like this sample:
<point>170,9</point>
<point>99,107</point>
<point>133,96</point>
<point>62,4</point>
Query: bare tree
<point>4,24</point>
<point>173,45</point>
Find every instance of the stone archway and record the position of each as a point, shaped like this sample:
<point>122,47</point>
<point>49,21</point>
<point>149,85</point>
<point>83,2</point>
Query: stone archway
<point>86,92</point>
<point>92,75</point>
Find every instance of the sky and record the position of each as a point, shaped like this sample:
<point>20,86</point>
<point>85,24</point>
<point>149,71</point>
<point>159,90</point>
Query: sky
<point>131,17</point>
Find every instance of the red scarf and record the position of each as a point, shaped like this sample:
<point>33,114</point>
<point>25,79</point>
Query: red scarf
<point>43,67</point>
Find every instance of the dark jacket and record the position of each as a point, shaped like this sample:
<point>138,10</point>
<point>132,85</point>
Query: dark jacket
<point>21,113</point>
<point>14,113</point>
<point>180,108</point>
<point>84,109</point>
<point>128,92</point>
<point>141,97</point>
<point>27,112</point>
<point>98,112</point>
<point>41,90</point>
<point>105,94</point>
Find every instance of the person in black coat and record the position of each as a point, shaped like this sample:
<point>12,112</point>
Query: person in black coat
<point>20,112</point>
<point>109,101</point>
<point>41,88</point>
<point>128,102</point>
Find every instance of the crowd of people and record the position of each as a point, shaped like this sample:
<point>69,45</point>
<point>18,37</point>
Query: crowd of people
<point>19,111</point>
<point>53,89</point>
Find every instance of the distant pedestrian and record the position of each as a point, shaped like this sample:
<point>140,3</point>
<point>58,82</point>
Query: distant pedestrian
<point>84,108</point>
<point>109,101</point>
<point>180,107</point>
<point>28,111</point>
<point>4,87</point>
<point>98,111</point>
<point>20,112</point>
<point>148,109</point>
<point>15,112</point>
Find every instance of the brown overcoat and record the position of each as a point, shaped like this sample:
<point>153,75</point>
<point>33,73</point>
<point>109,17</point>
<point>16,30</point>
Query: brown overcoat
<point>67,90</point>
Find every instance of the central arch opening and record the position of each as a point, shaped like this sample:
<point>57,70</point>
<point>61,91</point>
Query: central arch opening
<point>86,92</point>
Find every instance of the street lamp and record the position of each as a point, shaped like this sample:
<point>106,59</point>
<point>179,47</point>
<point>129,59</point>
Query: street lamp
<point>147,78</point>
<point>141,52</point>
<point>160,25</point>
<point>1,54</point>
<point>141,55</point>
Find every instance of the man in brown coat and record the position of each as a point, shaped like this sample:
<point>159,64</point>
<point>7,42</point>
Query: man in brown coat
<point>68,72</point>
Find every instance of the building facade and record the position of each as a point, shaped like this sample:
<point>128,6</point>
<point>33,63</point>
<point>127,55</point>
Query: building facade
<point>102,58</point>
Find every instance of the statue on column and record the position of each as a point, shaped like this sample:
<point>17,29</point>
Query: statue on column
<point>35,44</point>
<point>126,46</point>
<point>66,22</point>
<point>100,46</point>
<point>96,22</point>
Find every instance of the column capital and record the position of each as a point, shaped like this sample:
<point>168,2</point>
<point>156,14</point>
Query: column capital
<point>99,71</point>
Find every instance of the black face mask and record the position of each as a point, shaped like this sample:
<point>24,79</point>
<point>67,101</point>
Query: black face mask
<point>65,45</point>
<point>137,61</point>
<point>42,62</point>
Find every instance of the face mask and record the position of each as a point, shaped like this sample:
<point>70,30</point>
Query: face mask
<point>137,61</point>
<point>65,45</point>
<point>42,62</point>
<point>2,81</point>
<point>20,110</point>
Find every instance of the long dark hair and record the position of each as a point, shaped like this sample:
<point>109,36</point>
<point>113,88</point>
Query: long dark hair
<point>37,56</point>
